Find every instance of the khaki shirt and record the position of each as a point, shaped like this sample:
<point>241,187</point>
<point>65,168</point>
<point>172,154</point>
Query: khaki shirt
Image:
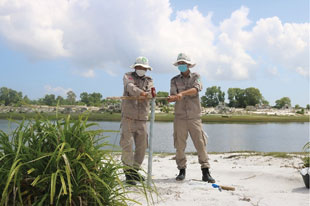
<point>133,86</point>
<point>189,106</point>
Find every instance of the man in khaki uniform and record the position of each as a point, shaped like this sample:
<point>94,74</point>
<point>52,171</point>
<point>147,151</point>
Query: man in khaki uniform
<point>134,116</point>
<point>184,91</point>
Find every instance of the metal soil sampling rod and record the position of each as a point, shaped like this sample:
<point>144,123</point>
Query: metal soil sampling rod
<point>150,159</point>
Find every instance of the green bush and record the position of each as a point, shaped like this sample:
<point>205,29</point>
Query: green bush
<point>59,163</point>
<point>302,111</point>
<point>165,109</point>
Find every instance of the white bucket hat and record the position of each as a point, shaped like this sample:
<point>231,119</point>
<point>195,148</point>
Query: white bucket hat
<point>184,58</point>
<point>143,62</point>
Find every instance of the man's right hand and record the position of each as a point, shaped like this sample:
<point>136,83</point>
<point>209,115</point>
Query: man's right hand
<point>144,94</point>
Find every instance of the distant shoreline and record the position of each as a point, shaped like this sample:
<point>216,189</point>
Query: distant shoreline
<point>163,117</point>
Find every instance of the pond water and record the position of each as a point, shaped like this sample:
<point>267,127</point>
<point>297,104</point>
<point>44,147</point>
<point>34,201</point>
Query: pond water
<point>263,137</point>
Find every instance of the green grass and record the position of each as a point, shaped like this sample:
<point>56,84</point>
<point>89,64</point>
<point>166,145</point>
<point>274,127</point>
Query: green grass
<point>278,154</point>
<point>166,117</point>
<point>244,154</point>
<point>306,159</point>
<point>54,116</point>
<point>239,118</point>
<point>253,118</point>
<point>60,162</point>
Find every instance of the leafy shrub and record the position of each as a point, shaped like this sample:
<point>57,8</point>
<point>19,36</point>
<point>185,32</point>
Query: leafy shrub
<point>58,163</point>
<point>165,109</point>
<point>302,111</point>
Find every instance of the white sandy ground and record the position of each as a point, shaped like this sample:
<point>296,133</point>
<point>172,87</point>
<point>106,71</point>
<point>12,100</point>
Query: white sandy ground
<point>258,180</point>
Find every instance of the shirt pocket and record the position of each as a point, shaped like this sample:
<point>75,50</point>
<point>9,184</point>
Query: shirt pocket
<point>145,86</point>
<point>191,83</point>
<point>139,84</point>
<point>180,87</point>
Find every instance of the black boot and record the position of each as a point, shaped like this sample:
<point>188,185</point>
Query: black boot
<point>129,177</point>
<point>206,176</point>
<point>136,175</point>
<point>181,175</point>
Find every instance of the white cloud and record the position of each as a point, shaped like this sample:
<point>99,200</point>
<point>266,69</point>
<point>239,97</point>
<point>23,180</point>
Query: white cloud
<point>32,26</point>
<point>284,44</point>
<point>110,34</point>
<point>56,90</point>
<point>89,73</point>
<point>273,71</point>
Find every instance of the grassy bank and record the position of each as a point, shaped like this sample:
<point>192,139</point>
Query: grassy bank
<point>239,118</point>
<point>255,118</point>
<point>53,116</point>
<point>166,117</point>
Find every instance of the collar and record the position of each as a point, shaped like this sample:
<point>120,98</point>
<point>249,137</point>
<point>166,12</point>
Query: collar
<point>137,76</point>
<point>189,75</point>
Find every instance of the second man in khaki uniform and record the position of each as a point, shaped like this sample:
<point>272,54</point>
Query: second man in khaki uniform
<point>184,91</point>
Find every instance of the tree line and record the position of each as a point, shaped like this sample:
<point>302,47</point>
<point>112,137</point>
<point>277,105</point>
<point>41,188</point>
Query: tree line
<point>10,97</point>
<point>214,96</point>
<point>237,97</point>
<point>241,98</point>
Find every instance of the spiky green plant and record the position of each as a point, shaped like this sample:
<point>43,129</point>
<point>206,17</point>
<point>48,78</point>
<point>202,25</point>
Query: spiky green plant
<point>306,159</point>
<point>59,163</point>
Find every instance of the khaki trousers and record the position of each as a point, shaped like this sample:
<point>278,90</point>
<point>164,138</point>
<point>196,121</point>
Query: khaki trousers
<point>199,138</point>
<point>133,131</point>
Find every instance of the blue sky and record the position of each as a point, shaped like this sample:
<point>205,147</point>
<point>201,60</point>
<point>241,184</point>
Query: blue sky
<point>87,46</point>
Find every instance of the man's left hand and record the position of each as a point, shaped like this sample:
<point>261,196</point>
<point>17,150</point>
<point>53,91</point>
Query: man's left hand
<point>172,98</point>
<point>179,96</point>
<point>176,97</point>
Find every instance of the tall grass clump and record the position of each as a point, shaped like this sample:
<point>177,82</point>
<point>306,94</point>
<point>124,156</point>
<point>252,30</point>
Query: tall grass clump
<point>58,162</point>
<point>306,159</point>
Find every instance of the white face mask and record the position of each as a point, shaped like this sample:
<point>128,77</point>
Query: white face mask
<point>140,73</point>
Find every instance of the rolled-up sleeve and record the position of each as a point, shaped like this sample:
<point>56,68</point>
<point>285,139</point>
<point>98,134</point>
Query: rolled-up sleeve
<point>173,87</point>
<point>130,86</point>
<point>197,83</point>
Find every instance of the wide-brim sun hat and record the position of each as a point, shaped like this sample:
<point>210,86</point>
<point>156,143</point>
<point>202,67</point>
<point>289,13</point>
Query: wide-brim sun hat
<point>143,62</point>
<point>184,58</point>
